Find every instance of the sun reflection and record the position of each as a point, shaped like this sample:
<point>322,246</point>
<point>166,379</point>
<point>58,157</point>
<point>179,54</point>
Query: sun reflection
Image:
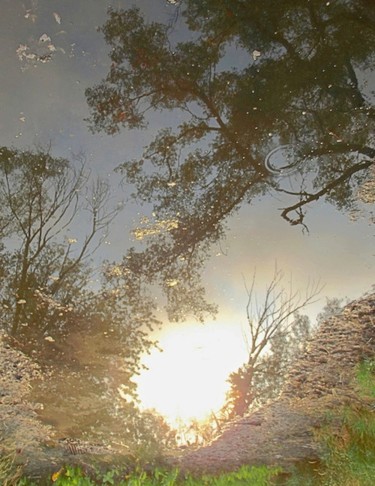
<point>188,379</point>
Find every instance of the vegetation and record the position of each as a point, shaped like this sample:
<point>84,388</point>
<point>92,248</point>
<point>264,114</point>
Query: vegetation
<point>9,473</point>
<point>46,298</point>
<point>70,476</point>
<point>195,176</point>
<point>276,333</point>
<point>43,267</point>
<point>229,118</point>
<point>349,458</point>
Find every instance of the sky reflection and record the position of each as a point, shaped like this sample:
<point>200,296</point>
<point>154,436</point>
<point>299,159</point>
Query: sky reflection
<point>42,95</point>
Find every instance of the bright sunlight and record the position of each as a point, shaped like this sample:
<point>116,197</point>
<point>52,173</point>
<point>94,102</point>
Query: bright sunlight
<point>187,380</point>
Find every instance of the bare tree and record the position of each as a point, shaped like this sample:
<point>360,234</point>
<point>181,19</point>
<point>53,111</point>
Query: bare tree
<point>276,331</point>
<point>41,198</point>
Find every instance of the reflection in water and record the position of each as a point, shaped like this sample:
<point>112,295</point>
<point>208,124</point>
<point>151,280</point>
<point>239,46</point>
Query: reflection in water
<point>188,379</point>
<point>240,104</point>
<point>306,89</point>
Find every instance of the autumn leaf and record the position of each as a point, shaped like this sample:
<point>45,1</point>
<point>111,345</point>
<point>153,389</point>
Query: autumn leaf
<point>56,475</point>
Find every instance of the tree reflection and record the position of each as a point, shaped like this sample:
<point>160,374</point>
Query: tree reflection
<point>90,339</point>
<point>45,265</point>
<point>299,83</point>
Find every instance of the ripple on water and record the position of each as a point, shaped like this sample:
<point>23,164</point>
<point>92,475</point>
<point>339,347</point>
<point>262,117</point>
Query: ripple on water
<point>282,160</point>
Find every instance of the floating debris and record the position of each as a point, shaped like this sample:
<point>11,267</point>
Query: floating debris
<point>256,54</point>
<point>37,51</point>
<point>282,160</point>
<point>57,17</point>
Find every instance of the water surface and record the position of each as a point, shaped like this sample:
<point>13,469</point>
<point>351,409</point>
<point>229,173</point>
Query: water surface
<point>229,138</point>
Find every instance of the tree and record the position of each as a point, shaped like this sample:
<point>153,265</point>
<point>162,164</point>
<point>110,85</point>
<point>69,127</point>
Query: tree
<point>277,332</point>
<point>53,219</point>
<point>231,112</point>
<point>294,119</point>
<point>46,271</point>
<point>333,307</point>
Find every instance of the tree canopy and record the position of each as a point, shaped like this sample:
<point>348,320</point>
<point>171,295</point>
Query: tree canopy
<point>291,116</point>
<point>46,266</point>
<point>277,332</point>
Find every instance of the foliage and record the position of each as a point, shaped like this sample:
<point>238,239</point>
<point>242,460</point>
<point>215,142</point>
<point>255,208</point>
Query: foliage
<point>147,436</point>
<point>349,458</point>
<point>366,378</point>
<point>333,307</point>
<point>256,476</point>
<point>44,273</point>
<point>45,300</point>
<point>297,85</point>
<point>9,472</point>
<point>231,112</point>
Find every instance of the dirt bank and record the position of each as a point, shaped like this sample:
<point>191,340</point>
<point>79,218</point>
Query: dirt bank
<point>282,432</point>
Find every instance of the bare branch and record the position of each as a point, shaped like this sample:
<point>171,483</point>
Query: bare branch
<point>276,313</point>
<point>308,198</point>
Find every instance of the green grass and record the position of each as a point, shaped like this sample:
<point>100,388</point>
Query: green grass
<point>350,452</point>
<point>366,379</point>
<point>245,476</point>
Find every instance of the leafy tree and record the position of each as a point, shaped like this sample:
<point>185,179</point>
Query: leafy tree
<point>303,88</point>
<point>277,333</point>
<point>297,94</point>
<point>45,271</point>
<point>91,341</point>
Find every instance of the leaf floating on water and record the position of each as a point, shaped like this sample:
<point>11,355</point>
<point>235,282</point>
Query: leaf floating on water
<point>57,17</point>
<point>44,38</point>
<point>39,50</point>
<point>20,51</point>
<point>256,54</point>
<point>30,15</point>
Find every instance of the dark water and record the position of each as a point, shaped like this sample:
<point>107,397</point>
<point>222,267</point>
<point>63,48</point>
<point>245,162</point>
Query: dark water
<point>151,166</point>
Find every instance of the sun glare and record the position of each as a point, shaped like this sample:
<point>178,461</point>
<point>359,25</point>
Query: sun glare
<point>187,380</point>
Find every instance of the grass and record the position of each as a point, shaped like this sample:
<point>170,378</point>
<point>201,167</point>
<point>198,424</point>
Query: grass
<point>349,459</point>
<point>245,476</point>
<point>9,473</point>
